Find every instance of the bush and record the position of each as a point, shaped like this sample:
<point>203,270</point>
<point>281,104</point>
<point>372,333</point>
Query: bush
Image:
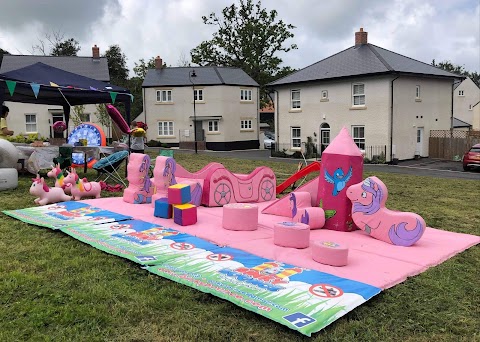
<point>26,139</point>
<point>154,143</point>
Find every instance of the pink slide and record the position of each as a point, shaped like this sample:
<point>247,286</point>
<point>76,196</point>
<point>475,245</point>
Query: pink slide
<point>313,167</point>
<point>118,118</point>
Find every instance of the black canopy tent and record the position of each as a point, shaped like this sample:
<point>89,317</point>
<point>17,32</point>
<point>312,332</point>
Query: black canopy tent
<point>43,84</point>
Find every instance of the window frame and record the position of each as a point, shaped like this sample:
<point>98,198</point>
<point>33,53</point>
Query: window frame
<point>35,123</point>
<point>89,117</point>
<point>198,95</point>
<point>418,94</point>
<point>165,128</point>
<point>293,102</point>
<point>246,95</point>
<point>358,95</point>
<point>357,139</point>
<point>159,99</point>
<point>213,126</point>
<point>294,138</point>
<point>461,93</point>
<point>246,124</point>
<point>324,95</point>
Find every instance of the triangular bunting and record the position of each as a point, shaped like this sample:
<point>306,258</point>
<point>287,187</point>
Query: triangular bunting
<point>54,84</point>
<point>92,88</point>
<point>35,88</point>
<point>113,95</point>
<point>11,86</point>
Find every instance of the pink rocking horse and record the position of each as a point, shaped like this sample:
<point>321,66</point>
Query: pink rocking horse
<point>370,215</point>
<point>45,194</point>
<point>57,173</point>
<point>81,187</point>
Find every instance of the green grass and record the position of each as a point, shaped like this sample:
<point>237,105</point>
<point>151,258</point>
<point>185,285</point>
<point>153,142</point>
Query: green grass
<point>55,288</point>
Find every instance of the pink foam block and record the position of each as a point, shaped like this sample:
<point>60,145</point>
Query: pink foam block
<point>291,234</point>
<point>179,194</point>
<point>313,216</point>
<point>240,216</point>
<point>185,214</point>
<point>140,187</point>
<point>330,253</point>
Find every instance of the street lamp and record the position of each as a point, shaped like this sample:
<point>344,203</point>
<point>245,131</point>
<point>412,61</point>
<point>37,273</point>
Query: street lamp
<point>191,75</point>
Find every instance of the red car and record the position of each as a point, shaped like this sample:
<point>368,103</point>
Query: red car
<point>472,158</point>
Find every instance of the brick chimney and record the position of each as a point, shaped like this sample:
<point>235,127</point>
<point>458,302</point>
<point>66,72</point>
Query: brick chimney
<point>158,63</point>
<point>95,52</point>
<point>361,37</point>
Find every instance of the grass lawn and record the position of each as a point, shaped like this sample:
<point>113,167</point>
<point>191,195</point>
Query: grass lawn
<point>55,288</point>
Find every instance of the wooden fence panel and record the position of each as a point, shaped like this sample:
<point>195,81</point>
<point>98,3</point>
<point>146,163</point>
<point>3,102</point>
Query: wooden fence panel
<point>442,145</point>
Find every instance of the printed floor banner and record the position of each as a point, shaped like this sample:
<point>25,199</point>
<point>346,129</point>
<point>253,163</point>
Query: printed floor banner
<point>302,299</point>
<point>64,214</point>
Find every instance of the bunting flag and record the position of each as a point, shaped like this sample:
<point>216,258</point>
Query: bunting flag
<point>35,88</point>
<point>92,88</point>
<point>11,86</point>
<point>131,97</point>
<point>54,84</point>
<point>113,95</point>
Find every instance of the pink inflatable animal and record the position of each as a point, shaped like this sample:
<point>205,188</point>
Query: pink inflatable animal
<point>56,172</point>
<point>45,194</point>
<point>81,187</point>
<point>369,214</point>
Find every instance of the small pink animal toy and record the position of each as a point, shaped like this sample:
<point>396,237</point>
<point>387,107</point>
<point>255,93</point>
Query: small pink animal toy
<point>369,214</point>
<point>56,172</point>
<point>46,195</point>
<point>81,187</point>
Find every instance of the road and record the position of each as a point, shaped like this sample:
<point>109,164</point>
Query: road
<point>423,167</point>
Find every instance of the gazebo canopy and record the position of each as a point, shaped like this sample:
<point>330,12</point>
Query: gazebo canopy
<point>43,84</point>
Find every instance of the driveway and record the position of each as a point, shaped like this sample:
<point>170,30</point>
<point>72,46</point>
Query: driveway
<point>423,167</point>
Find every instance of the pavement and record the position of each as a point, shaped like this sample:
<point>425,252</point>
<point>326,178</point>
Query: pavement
<point>423,167</point>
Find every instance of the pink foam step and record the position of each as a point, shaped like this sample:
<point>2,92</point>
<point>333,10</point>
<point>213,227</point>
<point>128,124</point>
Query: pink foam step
<point>330,253</point>
<point>313,216</point>
<point>240,216</point>
<point>291,234</point>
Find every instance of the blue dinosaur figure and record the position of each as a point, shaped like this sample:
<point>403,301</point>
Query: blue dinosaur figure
<point>339,179</point>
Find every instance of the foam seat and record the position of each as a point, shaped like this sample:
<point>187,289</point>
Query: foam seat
<point>291,234</point>
<point>330,253</point>
<point>240,216</point>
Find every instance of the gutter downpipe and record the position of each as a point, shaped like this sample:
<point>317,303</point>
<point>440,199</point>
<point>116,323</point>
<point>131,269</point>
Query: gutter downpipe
<point>391,119</point>
<point>277,119</point>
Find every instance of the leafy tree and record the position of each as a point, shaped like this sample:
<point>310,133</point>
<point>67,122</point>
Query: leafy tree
<point>248,37</point>
<point>69,47</point>
<point>458,69</point>
<point>117,65</point>
<point>102,116</point>
<point>140,69</point>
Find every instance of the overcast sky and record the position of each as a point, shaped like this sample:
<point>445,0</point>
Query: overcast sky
<point>423,30</point>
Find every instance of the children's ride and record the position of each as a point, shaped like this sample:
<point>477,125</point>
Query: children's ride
<point>81,187</point>
<point>57,173</point>
<point>370,215</point>
<point>45,194</point>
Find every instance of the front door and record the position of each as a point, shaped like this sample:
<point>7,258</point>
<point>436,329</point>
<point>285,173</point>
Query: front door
<point>419,148</point>
<point>199,131</point>
<point>57,117</point>
<point>324,136</point>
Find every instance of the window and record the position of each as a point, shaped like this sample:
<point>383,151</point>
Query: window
<point>84,117</point>
<point>296,140</point>
<point>164,96</point>
<point>245,124</point>
<point>324,95</point>
<point>358,94</point>
<point>295,99</point>
<point>358,135</point>
<point>165,128</point>
<point>417,92</point>
<point>198,95</point>
<point>213,126</point>
<point>470,107</point>
<point>245,95</point>
<point>30,123</point>
<point>460,93</point>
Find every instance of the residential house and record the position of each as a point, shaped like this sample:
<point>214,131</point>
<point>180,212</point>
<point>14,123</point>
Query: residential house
<point>27,118</point>
<point>218,104</point>
<point>465,96</point>
<point>383,98</point>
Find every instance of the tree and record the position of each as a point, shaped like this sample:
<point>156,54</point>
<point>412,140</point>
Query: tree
<point>57,45</point>
<point>458,69</point>
<point>248,37</point>
<point>69,47</point>
<point>117,65</point>
<point>140,69</point>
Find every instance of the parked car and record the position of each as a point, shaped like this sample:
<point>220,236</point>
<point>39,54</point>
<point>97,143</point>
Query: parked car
<point>269,140</point>
<point>471,158</point>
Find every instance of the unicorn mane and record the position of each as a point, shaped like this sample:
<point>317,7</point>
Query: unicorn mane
<point>377,195</point>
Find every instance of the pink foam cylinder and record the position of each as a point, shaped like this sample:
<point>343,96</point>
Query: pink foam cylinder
<point>291,234</point>
<point>330,253</point>
<point>240,216</point>
<point>313,216</point>
<point>304,199</point>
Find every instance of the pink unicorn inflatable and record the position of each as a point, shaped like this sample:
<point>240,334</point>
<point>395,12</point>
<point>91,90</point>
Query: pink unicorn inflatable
<point>81,187</point>
<point>45,194</point>
<point>56,172</point>
<point>370,215</point>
